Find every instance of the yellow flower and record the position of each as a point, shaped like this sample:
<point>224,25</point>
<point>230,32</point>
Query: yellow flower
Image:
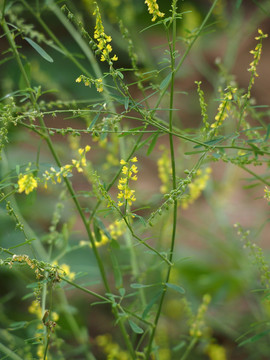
<point>99,85</point>
<point>130,172</point>
<point>153,8</point>
<point>66,271</point>
<point>103,40</point>
<point>216,352</point>
<point>224,108</point>
<point>27,183</point>
<point>164,170</point>
<point>134,169</point>
<point>196,187</point>
<point>267,193</point>
<point>35,308</point>
<point>123,181</point>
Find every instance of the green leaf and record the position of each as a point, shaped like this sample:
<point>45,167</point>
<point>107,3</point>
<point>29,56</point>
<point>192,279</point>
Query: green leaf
<point>256,150</point>
<point>65,232</point>
<point>238,4</point>
<point>216,155</point>
<point>165,81</point>
<point>122,291</point>
<point>140,218</point>
<point>22,83</point>
<point>93,122</point>
<point>150,304</point>
<point>114,244</point>
<point>17,169</point>
<point>267,133</point>
<point>139,286</point>
<point>103,227</point>
<point>126,103</point>
<point>100,303</point>
<point>255,337</point>
<point>179,346</point>
<point>18,325</point>
<point>211,142</point>
<point>119,74</point>
<point>177,288</point>
<point>144,142</point>
<point>194,152</point>
<point>116,271</point>
<point>135,327</point>
<point>97,231</point>
<point>153,143</point>
<point>39,49</point>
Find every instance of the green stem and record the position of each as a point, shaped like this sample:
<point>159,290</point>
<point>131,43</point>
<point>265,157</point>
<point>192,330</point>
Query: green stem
<point>78,331</point>
<point>167,261</point>
<point>255,175</point>
<point>3,9</point>
<point>10,354</point>
<point>172,53</point>
<point>100,297</point>
<point>188,49</point>
<point>189,348</point>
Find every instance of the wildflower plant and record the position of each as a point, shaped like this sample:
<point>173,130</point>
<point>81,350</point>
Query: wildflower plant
<point>95,180</point>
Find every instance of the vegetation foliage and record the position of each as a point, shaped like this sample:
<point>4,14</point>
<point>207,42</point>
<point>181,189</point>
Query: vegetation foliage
<point>98,172</point>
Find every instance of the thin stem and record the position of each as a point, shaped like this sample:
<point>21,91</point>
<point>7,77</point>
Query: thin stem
<point>78,331</point>
<point>255,175</point>
<point>188,49</point>
<point>172,54</point>
<point>10,354</point>
<point>189,348</point>
<point>100,297</point>
<point>3,9</point>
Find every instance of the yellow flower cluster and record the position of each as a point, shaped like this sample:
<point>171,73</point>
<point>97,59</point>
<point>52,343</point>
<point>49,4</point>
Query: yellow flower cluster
<point>115,229</point>
<point>65,270</point>
<point>196,187</point>
<point>256,57</point>
<point>82,161</point>
<point>126,195</point>
<point>267,194</point>
<point>203,105</point>
<point>27,183</point>
<point>164,170</point>
<point>111,349</point>
<point>224,107</point>
<point>56,176</point>
<point>216,352</point>
<point>153,9</point>
<point>198,324</point>
<point>88,81</point>
<point>103,40</point>
<point>35,309</point>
